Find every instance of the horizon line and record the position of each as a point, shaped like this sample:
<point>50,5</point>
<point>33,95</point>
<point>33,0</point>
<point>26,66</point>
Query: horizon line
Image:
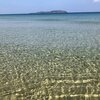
<point>49,13</point>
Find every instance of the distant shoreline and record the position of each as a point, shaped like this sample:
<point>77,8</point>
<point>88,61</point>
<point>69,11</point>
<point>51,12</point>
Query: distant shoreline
<point>46,13</point>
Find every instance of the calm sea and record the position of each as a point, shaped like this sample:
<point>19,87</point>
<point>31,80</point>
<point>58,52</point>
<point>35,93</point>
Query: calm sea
<point>55,30</point>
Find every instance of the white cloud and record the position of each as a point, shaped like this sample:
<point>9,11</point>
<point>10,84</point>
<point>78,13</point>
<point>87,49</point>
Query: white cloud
<point>96,0</point>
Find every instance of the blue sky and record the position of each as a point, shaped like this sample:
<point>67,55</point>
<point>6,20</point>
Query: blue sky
<point>28,6</point>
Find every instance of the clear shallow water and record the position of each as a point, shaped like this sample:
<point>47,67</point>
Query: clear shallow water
<point>50,57</point>
<point>51,30</point>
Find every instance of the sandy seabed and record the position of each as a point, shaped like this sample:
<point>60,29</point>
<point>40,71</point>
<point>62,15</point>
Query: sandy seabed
<point>29,73</point>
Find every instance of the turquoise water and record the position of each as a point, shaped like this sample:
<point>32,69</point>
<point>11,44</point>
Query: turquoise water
<point>51,30</point>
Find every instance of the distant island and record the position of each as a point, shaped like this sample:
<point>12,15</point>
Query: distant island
<point>51,12</point>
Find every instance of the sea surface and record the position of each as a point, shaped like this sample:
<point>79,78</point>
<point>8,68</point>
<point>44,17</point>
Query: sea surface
<point>50,56</point>
<point>55,30</point>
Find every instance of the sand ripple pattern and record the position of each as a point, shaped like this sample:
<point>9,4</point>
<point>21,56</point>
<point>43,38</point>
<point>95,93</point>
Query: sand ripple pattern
<point>28,73</point>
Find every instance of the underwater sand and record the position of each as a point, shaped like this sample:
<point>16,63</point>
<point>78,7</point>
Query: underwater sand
<point>50,57</point>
